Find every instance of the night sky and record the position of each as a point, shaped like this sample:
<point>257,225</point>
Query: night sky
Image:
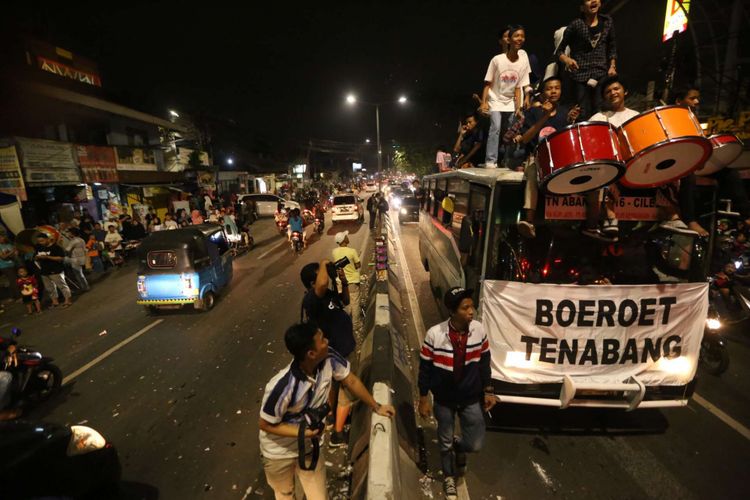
<point>282,70</point>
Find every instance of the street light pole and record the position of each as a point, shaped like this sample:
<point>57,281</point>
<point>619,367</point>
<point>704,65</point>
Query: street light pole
<point>377,128</point>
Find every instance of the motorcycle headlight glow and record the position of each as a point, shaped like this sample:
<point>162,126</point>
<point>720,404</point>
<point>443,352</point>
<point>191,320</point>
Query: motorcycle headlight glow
<point>403,211</point>
<point>84,440</point>
<point>713,324</point>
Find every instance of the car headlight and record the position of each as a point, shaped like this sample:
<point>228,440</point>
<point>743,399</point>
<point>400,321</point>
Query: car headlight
<point>713,324</point>
<point>403,211</point>
<point>84,440</point>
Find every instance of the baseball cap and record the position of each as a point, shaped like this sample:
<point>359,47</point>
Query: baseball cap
<point>340,237</point>
<point>454,296</point>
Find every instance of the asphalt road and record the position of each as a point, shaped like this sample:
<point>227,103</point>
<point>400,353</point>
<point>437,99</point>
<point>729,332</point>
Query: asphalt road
<point>531,452</point>
<point>179,393</point>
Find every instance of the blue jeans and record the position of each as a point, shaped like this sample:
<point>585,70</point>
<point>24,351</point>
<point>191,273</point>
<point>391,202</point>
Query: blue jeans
<point>472,433</point>
<point>496,129</point>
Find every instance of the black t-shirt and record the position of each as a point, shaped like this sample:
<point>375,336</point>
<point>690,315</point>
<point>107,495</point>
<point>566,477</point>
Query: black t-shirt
<point>46,266</point>
<point>470,139</point>
<point>557,122</point>
<point>328,313</point>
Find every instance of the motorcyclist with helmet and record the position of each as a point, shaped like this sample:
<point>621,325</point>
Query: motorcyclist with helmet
<point>296,224</point>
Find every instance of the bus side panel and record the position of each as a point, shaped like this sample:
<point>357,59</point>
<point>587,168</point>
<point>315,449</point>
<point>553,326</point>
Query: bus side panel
<point>437,247</point>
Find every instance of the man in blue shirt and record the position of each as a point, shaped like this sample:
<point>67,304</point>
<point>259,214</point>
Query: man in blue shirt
<point>296,225</point>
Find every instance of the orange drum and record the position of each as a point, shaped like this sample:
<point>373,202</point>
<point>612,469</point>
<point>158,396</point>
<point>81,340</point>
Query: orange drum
<point>726,149</point>
<point>661,145</point>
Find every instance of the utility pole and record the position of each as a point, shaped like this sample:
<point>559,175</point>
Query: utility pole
<point>377,131</point>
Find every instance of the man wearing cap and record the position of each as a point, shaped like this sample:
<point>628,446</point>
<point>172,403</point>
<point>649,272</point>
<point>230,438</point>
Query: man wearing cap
<point>351,271</point>
<point>455,367</point>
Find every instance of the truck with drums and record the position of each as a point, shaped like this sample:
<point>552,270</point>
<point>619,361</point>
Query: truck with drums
<point>573,320</point>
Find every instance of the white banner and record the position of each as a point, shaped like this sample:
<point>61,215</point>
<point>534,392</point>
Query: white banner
<point>539,333</point>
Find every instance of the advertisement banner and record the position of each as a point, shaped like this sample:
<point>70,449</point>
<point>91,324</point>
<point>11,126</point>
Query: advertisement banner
<point>179,161</point>
<point>675,18</point>
<point>573,207</point>
<point>48,163</point>
<point>11,179</point>
<point>598,333</point>
<point>97,164</point>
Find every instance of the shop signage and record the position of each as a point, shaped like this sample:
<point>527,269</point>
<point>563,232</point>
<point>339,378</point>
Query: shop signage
<point>66,71</point>
<point>97,163</point>
<point>739,127</point>
<point>539,333</point>
<point>129,158</point>
<point>11,179</point>
<point>181,160</point>
<point>48,163</point>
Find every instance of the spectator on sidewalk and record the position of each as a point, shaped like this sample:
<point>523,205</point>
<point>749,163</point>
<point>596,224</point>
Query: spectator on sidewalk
<point>8,265</point>
<point>29,291</point>
<point>302,387</point>
<point>382,209</point>
<point>98,233</point>
<point>455,368</point>
<point>372,209</point>
<point>351,271</point>
<point>169,224</point>
<point>93,252</point>
<point>49,257</point>
<point>76,259</point>
<point>113,239</point>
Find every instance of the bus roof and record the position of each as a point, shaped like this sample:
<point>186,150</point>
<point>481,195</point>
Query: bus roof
<point>486,176</point>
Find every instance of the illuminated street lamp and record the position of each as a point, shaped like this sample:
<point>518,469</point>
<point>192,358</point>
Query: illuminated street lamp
<point>351,99</point>
<point>367,141</point>
<point>173,113</point>
<point>230,161</point>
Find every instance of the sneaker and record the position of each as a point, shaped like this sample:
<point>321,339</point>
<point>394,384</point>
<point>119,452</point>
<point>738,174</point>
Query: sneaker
<point>598,235</point>
<point>677,226</point>
<point>460,459</point>
<point>526,230</point>
<point>609,227</point>
<point>490,165</point>
<point>449,487</point>
<point>338,439</point>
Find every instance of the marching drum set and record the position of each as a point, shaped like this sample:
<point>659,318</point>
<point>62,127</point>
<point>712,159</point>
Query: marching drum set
<point>656,147</point>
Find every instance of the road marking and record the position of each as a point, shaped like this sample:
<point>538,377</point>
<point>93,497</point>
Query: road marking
<point>744,431</point>
<point>416,312</point>
<point>264,254</point>
<point>109,352</point>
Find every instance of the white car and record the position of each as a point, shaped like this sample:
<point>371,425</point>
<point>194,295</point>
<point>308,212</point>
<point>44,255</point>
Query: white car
<point>371,187</point>
<point>347,207</point>
<point>266,203</point>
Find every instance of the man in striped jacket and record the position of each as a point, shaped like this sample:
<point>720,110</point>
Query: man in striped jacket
<point>455,367</point>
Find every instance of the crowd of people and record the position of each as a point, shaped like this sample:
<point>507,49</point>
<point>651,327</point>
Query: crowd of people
<point>521,104</point>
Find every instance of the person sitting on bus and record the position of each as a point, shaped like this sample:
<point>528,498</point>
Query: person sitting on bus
<point>468,143</point>
<point>728,179</point>
<point>539,122</point>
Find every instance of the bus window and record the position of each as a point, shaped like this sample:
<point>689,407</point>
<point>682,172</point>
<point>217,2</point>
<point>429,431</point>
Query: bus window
<point>472,235</point>
<point>437,209</point>
<point>458,189</point>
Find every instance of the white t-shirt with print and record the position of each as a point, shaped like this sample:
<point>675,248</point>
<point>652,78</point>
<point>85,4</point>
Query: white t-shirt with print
<point>506,77</point>
<point>616,118</point>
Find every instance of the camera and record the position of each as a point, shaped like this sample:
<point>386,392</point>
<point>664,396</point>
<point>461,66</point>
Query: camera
<point>315,417</point>
<point>342,263</point>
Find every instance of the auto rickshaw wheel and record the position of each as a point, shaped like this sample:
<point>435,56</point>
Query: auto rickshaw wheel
<point>208,301</point>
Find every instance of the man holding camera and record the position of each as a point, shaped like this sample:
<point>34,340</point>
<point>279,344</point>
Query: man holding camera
<point>325,307</point>
<point>346,258</point>
<point>294,407</point>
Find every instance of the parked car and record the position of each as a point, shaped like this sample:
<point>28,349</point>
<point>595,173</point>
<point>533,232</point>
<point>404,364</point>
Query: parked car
<point>56,461</point>
<point>266,203</point>
<point>347,207</point>
<point>409,211</point>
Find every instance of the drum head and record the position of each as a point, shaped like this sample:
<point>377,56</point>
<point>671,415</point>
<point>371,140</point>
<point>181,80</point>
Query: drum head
<point>666,162</point>
<point>721,157</point>
<point>582,178</point>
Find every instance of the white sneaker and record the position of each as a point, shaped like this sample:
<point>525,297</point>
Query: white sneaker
<point>526,230</point>
<point>490,165</point>
<point>677,226</point>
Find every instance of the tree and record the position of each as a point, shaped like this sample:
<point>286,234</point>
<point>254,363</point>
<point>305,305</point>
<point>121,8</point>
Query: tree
<point>414,158</point>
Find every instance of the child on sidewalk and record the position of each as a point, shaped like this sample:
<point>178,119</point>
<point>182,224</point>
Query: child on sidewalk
<point>29,291</point>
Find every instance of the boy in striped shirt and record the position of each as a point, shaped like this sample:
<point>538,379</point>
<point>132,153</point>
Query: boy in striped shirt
<point>455,367</point>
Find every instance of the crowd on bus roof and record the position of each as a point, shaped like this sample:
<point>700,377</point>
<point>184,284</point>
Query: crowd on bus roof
<point>521,103</point>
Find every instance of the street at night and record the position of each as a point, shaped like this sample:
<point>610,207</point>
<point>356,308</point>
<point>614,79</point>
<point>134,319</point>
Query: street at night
<point>375,251</point>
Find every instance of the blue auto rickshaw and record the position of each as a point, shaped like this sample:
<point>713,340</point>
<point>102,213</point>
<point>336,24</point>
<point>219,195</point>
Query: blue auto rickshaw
<point>184,266</point>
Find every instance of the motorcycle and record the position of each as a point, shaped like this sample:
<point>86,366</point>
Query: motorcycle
<point>307,216</point>
<point>282,221</point>
<point>714,352</point>
<point>35,377</point>
<point>297,243</point>
<point>319,225</point>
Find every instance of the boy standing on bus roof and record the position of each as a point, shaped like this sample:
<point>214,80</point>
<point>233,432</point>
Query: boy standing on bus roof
<point>455,367</point>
